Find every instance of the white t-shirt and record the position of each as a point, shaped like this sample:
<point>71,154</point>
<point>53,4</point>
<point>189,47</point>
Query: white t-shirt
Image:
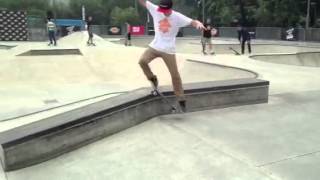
<point>166,28</point>
<point>51,26</point>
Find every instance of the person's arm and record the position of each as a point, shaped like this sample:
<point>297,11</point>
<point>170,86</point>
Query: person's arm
<point>142,3</point>
<point>152,8</point>
<point>198,25</point>
<point>186,21</point>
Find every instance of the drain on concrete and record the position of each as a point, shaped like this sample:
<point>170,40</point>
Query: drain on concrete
<point>52,52</point>
<point>6,47</point>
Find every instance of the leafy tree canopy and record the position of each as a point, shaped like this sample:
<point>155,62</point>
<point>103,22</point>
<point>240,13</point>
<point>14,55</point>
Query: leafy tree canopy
<point>274,13</point>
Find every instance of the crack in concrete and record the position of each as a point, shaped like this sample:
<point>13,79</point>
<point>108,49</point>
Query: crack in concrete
<point>288,159</point>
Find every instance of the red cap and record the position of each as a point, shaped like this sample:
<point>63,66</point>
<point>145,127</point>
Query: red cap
<point>162,10</point>
<point>165,6</point>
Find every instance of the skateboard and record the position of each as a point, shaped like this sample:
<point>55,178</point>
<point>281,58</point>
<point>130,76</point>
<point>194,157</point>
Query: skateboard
<point>157,92</point>
<point>205,53</point>
<point>91,44</point>
<point>235,51</point>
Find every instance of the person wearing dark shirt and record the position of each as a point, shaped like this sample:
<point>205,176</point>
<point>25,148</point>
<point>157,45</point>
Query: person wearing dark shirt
<point>207,38</point>
<point>89,29</point>
<point>245,38</point>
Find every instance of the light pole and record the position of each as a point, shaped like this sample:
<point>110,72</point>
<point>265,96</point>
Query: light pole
<point>308,14</point>
<point>136,4</point>
<point>54,9</point>
<point>203,11</point>
<point>83,12</point>
<point>243,20</point>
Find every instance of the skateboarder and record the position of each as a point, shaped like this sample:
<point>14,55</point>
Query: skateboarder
<point>166,25</point>
<point>245,38</point>
<point>207,39</point>
<point>128,35</point>
<point>90,33</point>
<point>51,28</point>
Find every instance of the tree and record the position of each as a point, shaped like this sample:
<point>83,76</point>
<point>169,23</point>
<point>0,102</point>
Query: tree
<point>120,16</point>
<point>276,13</point>
<point>222,12</point>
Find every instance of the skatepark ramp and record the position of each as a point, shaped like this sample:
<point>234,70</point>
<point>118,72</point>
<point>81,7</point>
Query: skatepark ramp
<point>309,59</point>
<point>262,48</point>
<point>259,48</point>
<point>194,46</point>
<point>46,139</point>
<point>51,52</point>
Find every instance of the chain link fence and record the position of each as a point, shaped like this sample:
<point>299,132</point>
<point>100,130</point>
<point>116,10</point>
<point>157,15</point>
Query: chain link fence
<point>37,32</point>
<point>36,29</point>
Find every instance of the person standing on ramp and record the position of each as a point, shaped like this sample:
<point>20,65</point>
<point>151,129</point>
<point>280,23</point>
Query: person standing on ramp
<point>128,35</point>
<point>90,33</point>
<point>245,38</point>
<point>167,23</point>
<point>207,39</point>
<point>51,28</point>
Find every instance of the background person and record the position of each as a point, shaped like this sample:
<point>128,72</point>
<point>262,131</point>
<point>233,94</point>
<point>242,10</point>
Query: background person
<point>206,39</point>
<point>51,28</point>
<point>128,35</point>
<point>245,38</point>
<point>90,33</point>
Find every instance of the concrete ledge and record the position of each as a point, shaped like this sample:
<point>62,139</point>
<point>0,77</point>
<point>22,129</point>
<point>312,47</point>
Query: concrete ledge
<point>256,75</point>
<point>43,140</point>
<point>51,52</point>
<point>258,48</point>
<point>6,47</point>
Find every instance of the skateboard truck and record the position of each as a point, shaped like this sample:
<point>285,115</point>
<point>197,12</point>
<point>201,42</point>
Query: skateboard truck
<point>156,92</point>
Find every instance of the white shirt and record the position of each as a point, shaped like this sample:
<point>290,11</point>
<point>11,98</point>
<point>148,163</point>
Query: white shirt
<point>166,28</point>
<point>51,26</point>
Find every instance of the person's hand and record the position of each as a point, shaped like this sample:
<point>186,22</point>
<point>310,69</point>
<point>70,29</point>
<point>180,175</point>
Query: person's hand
<point>198,25</point>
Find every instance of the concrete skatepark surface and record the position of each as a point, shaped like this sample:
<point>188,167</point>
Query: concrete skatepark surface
<point>46,82</point>
<point>269,141</point>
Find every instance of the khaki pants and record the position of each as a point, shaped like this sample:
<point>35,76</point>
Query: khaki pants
<point>171,63</point>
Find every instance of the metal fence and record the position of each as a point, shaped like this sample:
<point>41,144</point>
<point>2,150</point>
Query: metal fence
<point>37,32</point>
<point>36,29</point>
<point>312,34</point>
<point>268,33</point>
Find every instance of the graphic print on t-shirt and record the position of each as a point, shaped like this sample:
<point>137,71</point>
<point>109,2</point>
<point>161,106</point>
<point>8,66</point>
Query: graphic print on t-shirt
<point>164,25</point>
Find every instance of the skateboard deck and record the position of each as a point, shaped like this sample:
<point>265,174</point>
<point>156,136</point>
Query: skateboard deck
<point>234,51</point>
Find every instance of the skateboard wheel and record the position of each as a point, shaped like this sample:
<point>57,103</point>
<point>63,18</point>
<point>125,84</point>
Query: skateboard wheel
<point>154,93</point>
